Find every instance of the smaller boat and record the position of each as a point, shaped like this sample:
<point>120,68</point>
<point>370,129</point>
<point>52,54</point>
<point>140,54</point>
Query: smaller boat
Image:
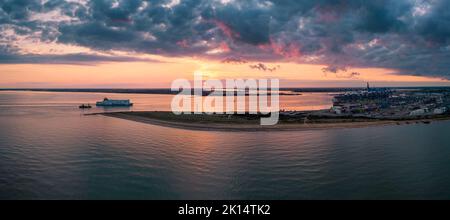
<point>85,106</point>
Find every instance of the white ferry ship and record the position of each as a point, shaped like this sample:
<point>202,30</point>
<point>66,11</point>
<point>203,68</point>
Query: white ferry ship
<point>111,102</point>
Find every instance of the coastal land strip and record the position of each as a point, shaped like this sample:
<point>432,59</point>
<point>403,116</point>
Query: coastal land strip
<point>247,122</point>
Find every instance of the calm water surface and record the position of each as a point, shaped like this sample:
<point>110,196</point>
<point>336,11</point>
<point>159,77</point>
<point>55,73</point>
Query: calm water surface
<point>50,150</point>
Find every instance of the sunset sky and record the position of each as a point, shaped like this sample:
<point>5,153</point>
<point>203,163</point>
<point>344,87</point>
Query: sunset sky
<point>147,44</point>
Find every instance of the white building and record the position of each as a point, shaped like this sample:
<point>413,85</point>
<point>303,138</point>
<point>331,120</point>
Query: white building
<point>418,112</point>
<point>439,111</point>
<point>336,109</point>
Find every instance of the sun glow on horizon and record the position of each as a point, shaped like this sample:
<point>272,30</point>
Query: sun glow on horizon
<point>163,70</point>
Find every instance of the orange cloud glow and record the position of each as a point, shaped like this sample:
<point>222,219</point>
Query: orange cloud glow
<point>160,74</point>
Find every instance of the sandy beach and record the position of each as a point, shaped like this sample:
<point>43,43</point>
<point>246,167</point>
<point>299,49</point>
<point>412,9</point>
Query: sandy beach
<point>217,123</point>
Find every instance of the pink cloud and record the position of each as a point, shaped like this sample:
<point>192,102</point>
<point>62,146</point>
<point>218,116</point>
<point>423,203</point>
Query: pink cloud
<point>183,43</point>
<point>226,29</point>
<point>287,50</point>
<point>224,47</point>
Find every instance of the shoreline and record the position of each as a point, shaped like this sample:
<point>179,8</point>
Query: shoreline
<point>165,119</point>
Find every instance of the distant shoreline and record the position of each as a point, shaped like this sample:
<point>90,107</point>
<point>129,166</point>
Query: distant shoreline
<point>221,123</point>
<point>167,91</point>
<point>283,91</point>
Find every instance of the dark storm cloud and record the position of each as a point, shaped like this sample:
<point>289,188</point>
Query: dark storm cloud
<point>340,72</point>
<point>234,60</point>
<point>77,59</point>
<point>264,67</point>
<point>408,36</point>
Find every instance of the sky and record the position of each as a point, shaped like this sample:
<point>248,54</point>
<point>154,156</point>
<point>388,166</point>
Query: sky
<point>148,44</point>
